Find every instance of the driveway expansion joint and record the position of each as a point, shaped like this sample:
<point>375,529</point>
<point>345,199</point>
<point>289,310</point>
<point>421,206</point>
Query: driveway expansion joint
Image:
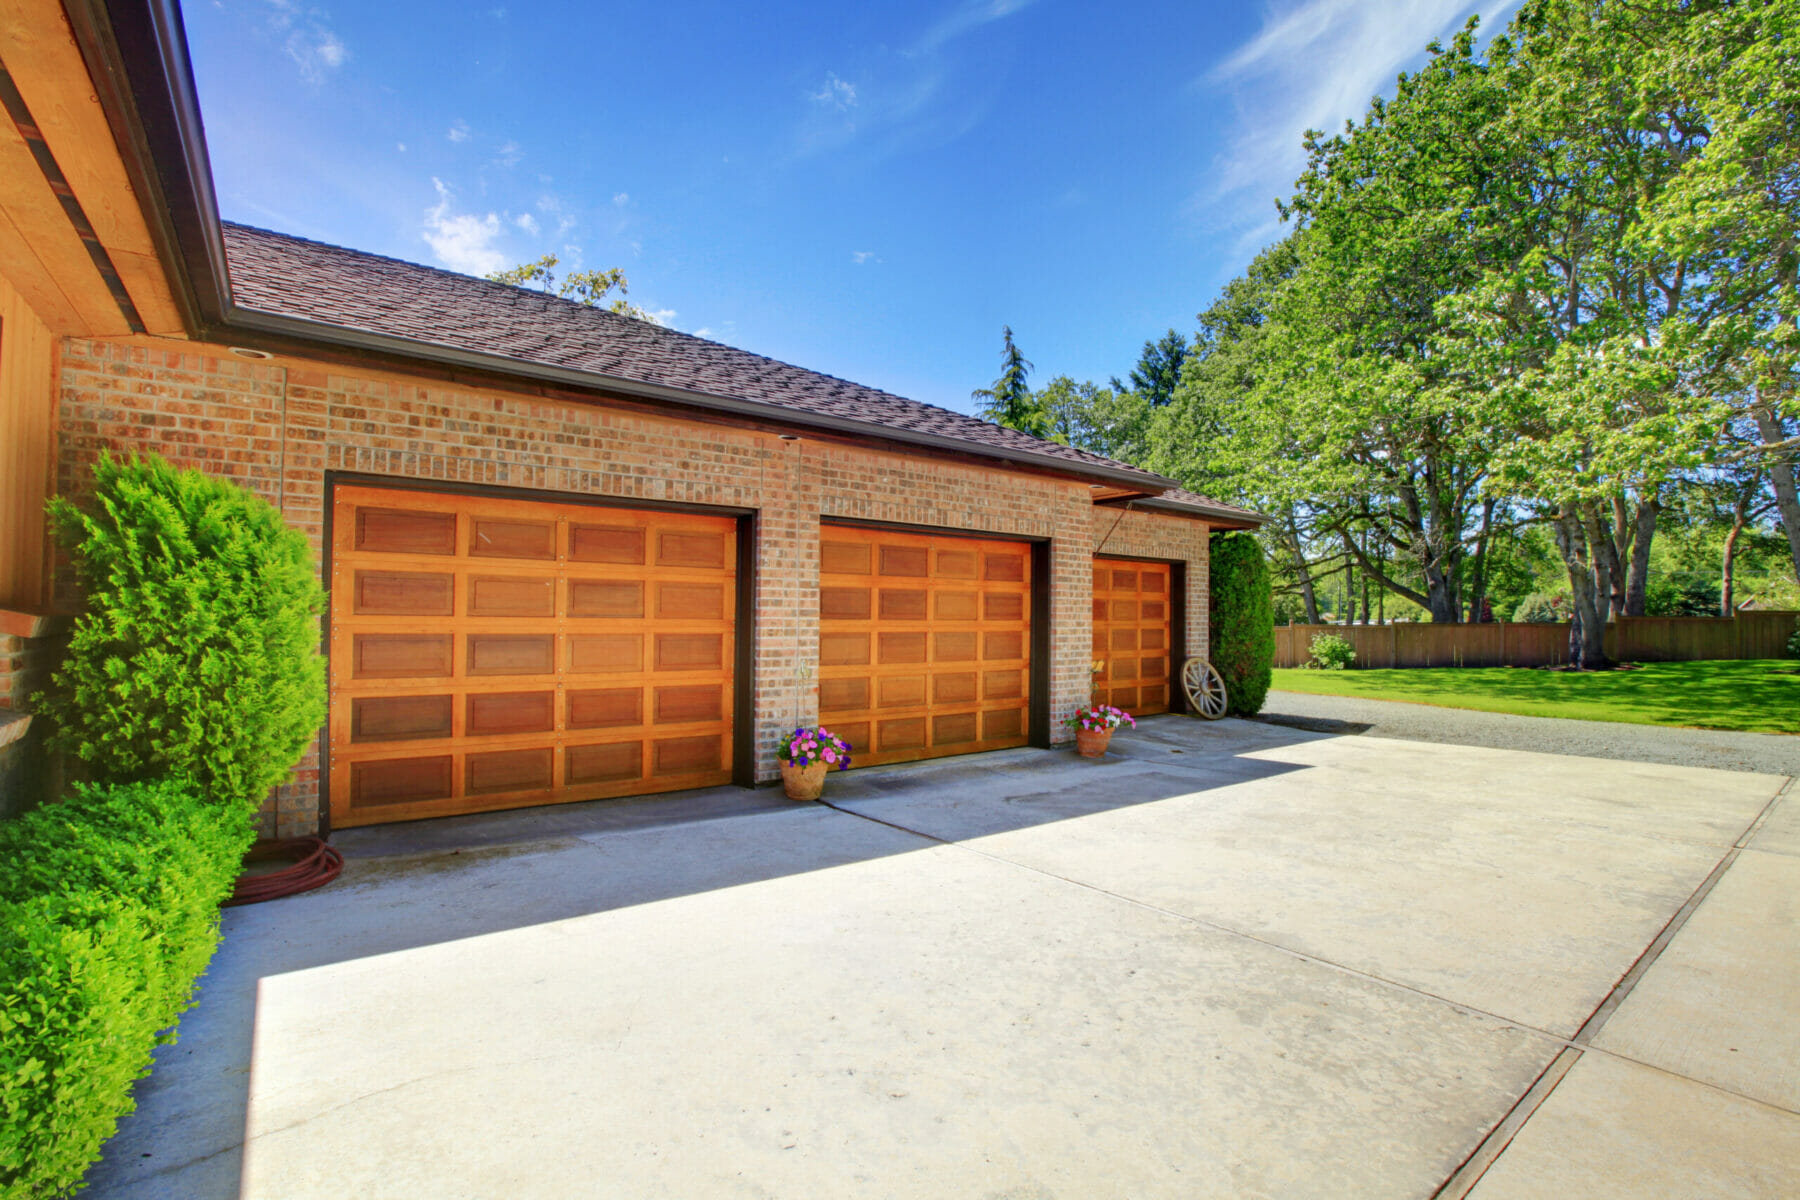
<point>1463,1180</point>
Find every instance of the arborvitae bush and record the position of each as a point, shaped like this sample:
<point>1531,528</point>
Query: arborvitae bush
<point>109,909</point>
<point>197,657</point>
<point>1242,621</point>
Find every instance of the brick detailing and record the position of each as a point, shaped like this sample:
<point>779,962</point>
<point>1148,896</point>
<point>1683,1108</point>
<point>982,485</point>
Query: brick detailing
<point>25,666</point>
<point>277,427</point>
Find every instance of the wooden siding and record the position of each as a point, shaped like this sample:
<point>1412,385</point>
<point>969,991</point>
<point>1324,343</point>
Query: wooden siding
<point>27,421</point>
<point>924,643</point>
<point>1511,644</point>
<point>492,653</point>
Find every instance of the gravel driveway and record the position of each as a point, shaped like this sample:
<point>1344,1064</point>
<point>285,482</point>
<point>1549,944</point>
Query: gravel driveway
<point>1767,753</point>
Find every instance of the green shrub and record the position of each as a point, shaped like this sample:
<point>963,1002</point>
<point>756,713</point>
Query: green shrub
<point>1543,608</point>
<point>1329,652</point>
<point>1681,596</point>
<point>1242,621</point>
<point>109,905</point>
<point>198,655</point>
<point>1793,645</point>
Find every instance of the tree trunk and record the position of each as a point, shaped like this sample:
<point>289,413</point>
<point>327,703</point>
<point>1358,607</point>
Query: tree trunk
<point>1440,592</point>
<point>1781,474</point>
<point>1478,601</point>
<point>1303,571</point>
<point>1727,607</point>
<point>1587,628</point>
<point>1620,546</point>
<point>1606,563</point>
<point>1644,528</point>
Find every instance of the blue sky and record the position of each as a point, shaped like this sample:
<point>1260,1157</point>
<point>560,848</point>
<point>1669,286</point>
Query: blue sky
<point>871,191</point>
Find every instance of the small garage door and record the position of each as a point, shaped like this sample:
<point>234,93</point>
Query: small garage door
<point>1131,634</point>
<point>924,643</point>
<point>490,653</point>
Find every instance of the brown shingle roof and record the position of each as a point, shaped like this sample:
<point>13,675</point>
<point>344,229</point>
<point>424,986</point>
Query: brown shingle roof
<point>291,277</point>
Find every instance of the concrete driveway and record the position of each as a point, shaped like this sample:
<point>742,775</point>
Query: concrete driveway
<point>1231,960</point>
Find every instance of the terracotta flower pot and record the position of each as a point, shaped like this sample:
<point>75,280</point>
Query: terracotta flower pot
<point>804,783</point>
<point>1092,743</point>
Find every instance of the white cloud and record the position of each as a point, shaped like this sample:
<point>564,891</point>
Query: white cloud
<point>459,132</point>
<point>662,316</point>
<point>971,15</point>
<point>401,146</point>
<point>527,222</point>
<point>553,208</point>
<point>897,102</point>
<point>859,257</point>
<point>835,93</point>
<point>1313,65</point>
<point>313,45</point>
<point>462,241</point>
<point>509,154</point>
<point>621,199</point>
<point>703,332</point>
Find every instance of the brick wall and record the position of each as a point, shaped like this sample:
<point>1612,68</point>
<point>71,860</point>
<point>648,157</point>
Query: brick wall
<point>278,426</point>
<point>29,645</point>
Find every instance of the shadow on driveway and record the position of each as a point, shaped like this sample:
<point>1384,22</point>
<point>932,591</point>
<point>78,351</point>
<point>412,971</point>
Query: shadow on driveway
<point>424,883</point>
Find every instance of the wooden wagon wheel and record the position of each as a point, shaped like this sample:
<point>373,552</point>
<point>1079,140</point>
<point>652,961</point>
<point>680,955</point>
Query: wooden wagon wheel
<point>1205,688</point>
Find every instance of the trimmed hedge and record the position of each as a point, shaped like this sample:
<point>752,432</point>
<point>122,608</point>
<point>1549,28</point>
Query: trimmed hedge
<point>1242,621</point>
<point>109,904</point>
<point>198,655</point>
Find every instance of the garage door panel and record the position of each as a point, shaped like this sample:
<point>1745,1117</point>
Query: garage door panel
<point>619,544</point>
<point>581,654</point>
<point>403,594</point>
<point>1131,635</point>
<point>404,531</point>
<point>511,596</point>
<point>401,718</point>
<point>499,538</point>
<point>907,624</point>
<point>401,655</point>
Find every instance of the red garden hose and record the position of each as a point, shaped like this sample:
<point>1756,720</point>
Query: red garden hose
<point>316,863</point>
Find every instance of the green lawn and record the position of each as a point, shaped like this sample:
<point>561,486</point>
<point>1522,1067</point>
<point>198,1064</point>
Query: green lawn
<point>1760,695</point>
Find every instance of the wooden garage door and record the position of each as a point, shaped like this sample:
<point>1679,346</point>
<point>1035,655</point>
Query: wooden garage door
<point>491,653</point>
<point>924,643</point>
<point>1131,634</point>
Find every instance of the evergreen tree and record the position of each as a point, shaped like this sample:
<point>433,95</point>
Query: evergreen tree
<point>1158,369</point>
<point>1009,401</point>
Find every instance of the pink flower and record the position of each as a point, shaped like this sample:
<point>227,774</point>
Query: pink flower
<point>831,756</point>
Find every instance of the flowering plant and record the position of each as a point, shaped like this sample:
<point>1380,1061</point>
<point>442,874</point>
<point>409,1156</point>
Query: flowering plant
<point>807,746</point>
<point>1097,717</point>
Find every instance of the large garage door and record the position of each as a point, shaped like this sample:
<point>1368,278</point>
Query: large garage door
<point>1131,634</point>
<point>924,643</point>
<point>490,653</point>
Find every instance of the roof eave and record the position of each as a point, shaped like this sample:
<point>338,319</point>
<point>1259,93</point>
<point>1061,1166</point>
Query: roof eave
<point>1219,516</point>
<point>256,321</point>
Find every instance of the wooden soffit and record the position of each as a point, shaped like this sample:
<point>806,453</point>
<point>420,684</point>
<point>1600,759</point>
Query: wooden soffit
<point>73,239</point>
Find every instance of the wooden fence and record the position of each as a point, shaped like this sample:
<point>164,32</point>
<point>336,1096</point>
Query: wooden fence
<point>1508,644</point>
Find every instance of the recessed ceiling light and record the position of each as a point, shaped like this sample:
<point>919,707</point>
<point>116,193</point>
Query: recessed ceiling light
<point>246,352</point>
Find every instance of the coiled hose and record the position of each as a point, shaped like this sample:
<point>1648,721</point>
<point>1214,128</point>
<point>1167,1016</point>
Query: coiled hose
<point>315,864</point>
